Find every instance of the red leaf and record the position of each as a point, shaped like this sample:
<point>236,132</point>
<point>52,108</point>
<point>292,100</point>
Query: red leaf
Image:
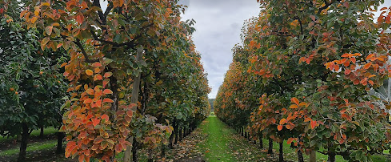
<point>312,17</point>
<point>118,148</point>
<point>80,18</point>
<point>95,121</point>
<point>295,100</point>
<point>313,124</point>
<point>129,113</point>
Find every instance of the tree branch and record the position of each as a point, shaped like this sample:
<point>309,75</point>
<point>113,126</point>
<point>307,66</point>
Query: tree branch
<point>77,42</point>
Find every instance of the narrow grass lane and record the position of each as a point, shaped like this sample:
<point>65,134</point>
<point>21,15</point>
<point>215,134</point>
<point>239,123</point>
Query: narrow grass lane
<point>217,140</point>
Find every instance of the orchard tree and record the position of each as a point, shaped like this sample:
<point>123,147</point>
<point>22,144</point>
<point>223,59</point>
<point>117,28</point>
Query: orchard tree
<point>334,53</point>
<point>112,68</point>
<point>31,83</point>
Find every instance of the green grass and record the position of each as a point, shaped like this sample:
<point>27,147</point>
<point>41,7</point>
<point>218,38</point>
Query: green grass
<point>31,147</point>
<point>224,144</point>
<point>215,147</point>
<point>34,133</point>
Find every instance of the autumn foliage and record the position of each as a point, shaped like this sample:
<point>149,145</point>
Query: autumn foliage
<point>313,66</point>
<point>128,50</point>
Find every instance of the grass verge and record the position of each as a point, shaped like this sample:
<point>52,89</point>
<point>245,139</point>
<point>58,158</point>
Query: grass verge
<point>31,147</point>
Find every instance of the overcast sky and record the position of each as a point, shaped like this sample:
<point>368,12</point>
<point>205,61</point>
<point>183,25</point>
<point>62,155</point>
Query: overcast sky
<point>218,27</point>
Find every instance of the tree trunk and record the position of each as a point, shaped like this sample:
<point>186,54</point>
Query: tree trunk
<point>23,143</point>
<point>176,131</point>
<point>260,142</point>
<point>331,157</point>
<point>171,139</point>
<point>134,150</point>
<point>180,134</point>
<point>60,137</point>
<point>41,133</point>
<point>299,152</point>
<point>281,154</point>
<point>313,156</point>
<point>150,155</point>
<point>134,99</point>
<point>270,150</point>
<point>163,150</point>
<point>331,153</point>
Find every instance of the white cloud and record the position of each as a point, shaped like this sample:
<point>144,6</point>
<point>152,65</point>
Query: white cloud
<point>218,27</point>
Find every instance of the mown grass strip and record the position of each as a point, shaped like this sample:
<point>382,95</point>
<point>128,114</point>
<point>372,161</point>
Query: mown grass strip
<point>215,147</point>
<point>31,147</point>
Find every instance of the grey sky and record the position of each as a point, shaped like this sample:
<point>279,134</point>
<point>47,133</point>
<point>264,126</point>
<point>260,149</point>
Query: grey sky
<point>218,27</point>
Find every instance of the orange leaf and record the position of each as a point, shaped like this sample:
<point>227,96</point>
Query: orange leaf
<point>366,66</point>
<point>290,127</point>
<point>87,101</point>
<point>108,100</point>
<point>290,140</point>
<point>307,119</point>
<point>107,91</point>
<point>98,77</point>
<point>347,71</point>
<point>295,100</point>
<point>293,106</point>
<point>346,55</point>
<point>108,74</point>
<point>81,157</point>
<point>90,91</point>
<point>105,117</point>
<point>353,60</point>
<point>95,121</point>
<point>283,121</point>
<point>89,72</point>
<point>370,56</point>
<point>313,124</point>
<point>96,64</point>
<point>279,127</point>
<point>303,104</point>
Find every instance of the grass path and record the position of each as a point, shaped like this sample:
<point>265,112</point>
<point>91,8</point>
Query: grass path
<point>223,144</point>
<point>217,139</point>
